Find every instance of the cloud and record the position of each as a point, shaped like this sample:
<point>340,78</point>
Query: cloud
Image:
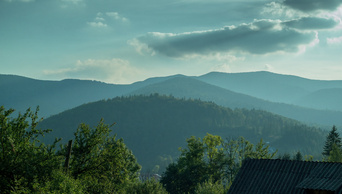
<point>260,37</point>
<point>117,16</point>
<point>141,47</point>
<point>100,21</point>
<point>337,40</point>
<point>312,23</point>
<point>97,24</point>
<point>110,71</point>
<point>313,5</point>
<point>268,67</point>
<point>222,68</point>
<point>275,9</point>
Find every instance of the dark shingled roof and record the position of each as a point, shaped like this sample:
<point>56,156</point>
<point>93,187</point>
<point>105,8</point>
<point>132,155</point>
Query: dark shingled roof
<point>287,176</point>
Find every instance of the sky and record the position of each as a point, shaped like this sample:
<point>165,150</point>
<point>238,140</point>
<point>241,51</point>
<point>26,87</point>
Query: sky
<point>124,41</point>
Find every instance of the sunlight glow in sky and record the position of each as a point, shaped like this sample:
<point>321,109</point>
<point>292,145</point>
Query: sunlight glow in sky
<point>124,41</point>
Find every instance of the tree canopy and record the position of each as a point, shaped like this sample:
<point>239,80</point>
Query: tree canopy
<point>210,158</point>
<point>333,138</point>
<point>100,163</point>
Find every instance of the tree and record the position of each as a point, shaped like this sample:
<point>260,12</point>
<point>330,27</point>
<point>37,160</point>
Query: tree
<point>239,150</point>
<point>24,160</point>
<point>150,186</point>
<point>101,161</point>
<point>190,169</point>
<point>298,156</point>
<point>210,160</point>
<point>210,187</point>
<point>332,138</point>
<point>335,154</point>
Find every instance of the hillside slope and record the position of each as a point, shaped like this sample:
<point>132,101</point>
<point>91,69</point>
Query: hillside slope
<point>54,97</point>
<point>155,126</point>
<point>186,87</point>
<point>324,99</point>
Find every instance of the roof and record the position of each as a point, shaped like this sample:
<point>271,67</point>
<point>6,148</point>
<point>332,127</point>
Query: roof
<point>287,176</point>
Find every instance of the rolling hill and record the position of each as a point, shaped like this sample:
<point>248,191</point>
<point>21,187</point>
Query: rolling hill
<point>186,87</point>
<point>54,97</point>
<point>155,126</point>
<point>324,99</point>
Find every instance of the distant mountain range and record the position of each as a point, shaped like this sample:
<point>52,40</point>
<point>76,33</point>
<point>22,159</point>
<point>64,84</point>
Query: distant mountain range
<point>310,101</point>
<point>270,86</point>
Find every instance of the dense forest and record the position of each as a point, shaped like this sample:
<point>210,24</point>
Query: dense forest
<point>155,126</point>
<point>94,161</point>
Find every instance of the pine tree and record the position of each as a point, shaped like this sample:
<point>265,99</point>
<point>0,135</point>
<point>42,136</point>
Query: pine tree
<point>332,138</point>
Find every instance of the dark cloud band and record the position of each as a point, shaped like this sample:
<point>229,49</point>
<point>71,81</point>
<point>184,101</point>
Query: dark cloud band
<point>312,23</point>
<point>313,5</point>
<point>259,37</point>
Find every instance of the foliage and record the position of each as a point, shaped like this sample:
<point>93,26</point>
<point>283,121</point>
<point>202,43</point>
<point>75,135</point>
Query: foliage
<point>61,183</point>
<point>208,187</point>
<point>335,154</point>
<point>332,138</point>
<point>212,159</point>
<point>162,123</point>
<point>285,156</point>
<point>298,156</point>
<point>238,150</point>
<point>104,163</point>
<point>308,158</point>
<point>24,160</point>
<point>150,186</point>
<point>99,164</point>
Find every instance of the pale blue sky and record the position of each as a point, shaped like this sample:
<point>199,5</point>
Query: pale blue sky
<point>124,41</point>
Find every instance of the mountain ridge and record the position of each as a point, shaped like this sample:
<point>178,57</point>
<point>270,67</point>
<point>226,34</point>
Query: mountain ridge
<point>54,97</point>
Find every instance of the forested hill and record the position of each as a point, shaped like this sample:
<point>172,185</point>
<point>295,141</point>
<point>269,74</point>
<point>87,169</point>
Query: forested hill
<point>154,125</point>
<point>182,86</point>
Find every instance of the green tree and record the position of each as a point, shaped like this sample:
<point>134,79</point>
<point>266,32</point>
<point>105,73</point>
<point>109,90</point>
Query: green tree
<point>239,150</point>
<point>24,160</point>
<point>332,138</point>
<point>216,160</point>
<point>150,186</point>
<point>211,159</point>
<point>335,154</point>
<point>210,187</point>
<point>101,161</point>
<point>60,183</point>
<point>190,169</point>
